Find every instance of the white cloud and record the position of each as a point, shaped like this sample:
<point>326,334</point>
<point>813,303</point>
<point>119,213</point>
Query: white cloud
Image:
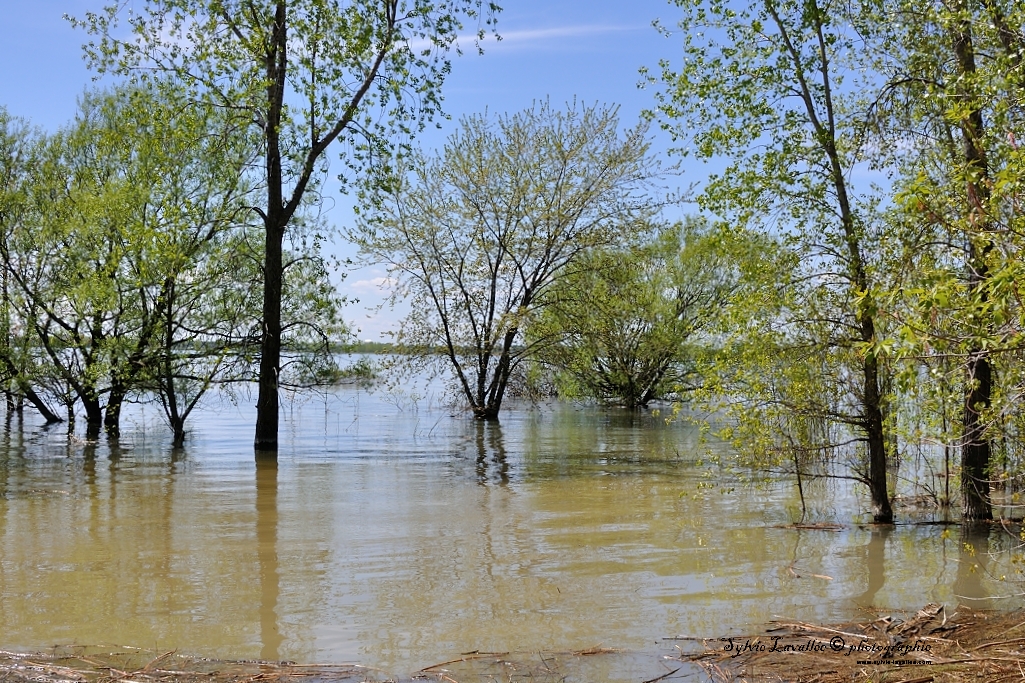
<point>543,34</point>
<point>372,285</point>
<point>532,37</point>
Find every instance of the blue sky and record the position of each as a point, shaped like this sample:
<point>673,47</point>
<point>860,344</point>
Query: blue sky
<point>559,49</point>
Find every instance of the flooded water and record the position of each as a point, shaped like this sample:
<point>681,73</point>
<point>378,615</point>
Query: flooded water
<point>394,533</point>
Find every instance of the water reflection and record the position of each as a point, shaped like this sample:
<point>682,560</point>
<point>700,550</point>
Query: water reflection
<point>381,542</point>
<point>490,451</point>
<point>875,563</point>
<point>267,553</point>
<point>972,566</point>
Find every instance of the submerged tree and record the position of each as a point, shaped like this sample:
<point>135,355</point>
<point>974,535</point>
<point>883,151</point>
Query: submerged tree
<point>131,265</point>
<point>625,323</point>
<point>955,81</point>
<point>761,86</point>
<point>122,204</point>
<point>478,237</point>
<point>304,74</point>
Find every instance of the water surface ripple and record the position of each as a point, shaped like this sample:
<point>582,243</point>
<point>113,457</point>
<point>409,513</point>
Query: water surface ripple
<point>398,533</point>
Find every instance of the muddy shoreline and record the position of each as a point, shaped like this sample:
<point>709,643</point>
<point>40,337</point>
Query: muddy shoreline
<point>933,645</point>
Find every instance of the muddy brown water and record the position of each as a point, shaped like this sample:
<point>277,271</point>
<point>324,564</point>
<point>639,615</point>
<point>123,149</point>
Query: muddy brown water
<point>397,533</point>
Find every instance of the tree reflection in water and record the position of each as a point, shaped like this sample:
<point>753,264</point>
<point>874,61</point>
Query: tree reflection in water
<point>972,567</point>
<point>875,563</point>
<point>489,442</point>
<point>267,540</point>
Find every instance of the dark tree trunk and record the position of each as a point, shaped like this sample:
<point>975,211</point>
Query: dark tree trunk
<point>93,417</point>
<point>178,430</point>
<point>112,414</point>
<point>275,221</point>
<point>883,513</point>
<point>270,347</point>
<point>975,453</point>
<point>488,413</point>
<point>975,450</point>
<point>40,405</point>
<point>491,402</point>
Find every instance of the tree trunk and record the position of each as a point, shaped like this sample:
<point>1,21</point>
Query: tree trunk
<point>275,221</point>
<point>488,413</point>
<point>883,512</point>
<point>975,450</point>
<point>70,405</point>
<point>178,429</point>
<point>270,346</point>
<point>93,417</point>
<point>112,415</point>
<point>40,405</point>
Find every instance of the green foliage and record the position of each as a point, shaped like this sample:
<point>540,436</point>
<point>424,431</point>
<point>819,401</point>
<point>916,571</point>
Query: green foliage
<point>628,320</point>
<point>20,148</point>
<point>378,66</point>
<point>902,316</point>
<point>125,203</point>
<point>479,236</point>
<point>775,89</point>
<point>131,264</point>
<point>305,74</point>
<point>953,100</point>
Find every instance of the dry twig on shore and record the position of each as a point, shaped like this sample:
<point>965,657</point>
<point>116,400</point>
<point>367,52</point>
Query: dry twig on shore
<point>927,647</point>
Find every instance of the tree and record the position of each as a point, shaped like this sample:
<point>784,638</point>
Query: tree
<point>625,321</point>
<point>952,103</point>
<point>479,236</point>
<point>209,332</point>
<point>19,152</point>
<point>761,86</point>
<point>64,255</point>
<point>122,206</point>
<point>304,73</point>
<point>133,267</point>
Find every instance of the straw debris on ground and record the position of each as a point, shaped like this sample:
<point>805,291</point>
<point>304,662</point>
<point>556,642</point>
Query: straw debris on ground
<point>930,646</point>
<point>133,665</point>
<point>130,665</point>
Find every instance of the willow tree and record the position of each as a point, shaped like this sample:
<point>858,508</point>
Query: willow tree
<point>626,323</point>
<point>121,208</point>
<point>305,74</point>
<point>478,236</point>
<point>19,155</point>
<point>760,86</point>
